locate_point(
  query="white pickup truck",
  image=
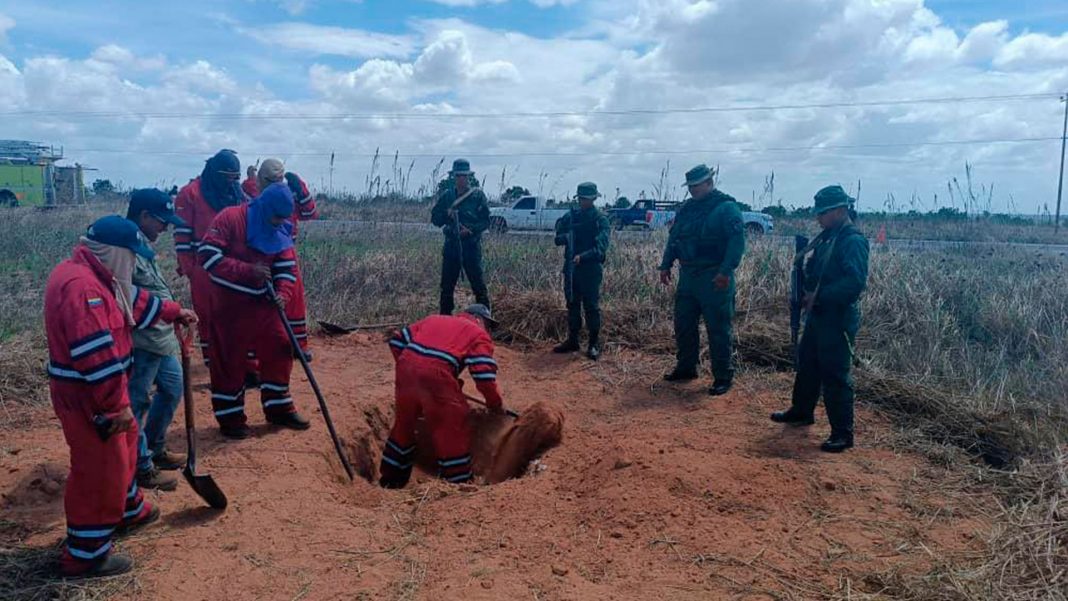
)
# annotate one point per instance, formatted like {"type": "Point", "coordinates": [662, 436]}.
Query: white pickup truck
{"type": "Point", "coordinates": [530, 213]}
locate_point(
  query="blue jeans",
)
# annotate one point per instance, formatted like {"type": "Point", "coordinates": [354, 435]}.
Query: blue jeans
{"type": "Point", "coordinates": [153, 415]}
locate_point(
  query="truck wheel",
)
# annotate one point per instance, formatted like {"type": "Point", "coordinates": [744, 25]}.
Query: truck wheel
{"type": "Point", "coordinates": [754, 229]}
{"type": "Point", "coordinates": [8, 199]}
{"type": "Point", "coordinates": [498, 225]}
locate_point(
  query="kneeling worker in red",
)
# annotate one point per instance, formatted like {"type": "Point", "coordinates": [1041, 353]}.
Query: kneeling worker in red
{"type": "Point", "coordinates": [430, 355]}
{"type": "Point", "coordinates": [246, 247]}
{"type": "Point", "coordinates": [91, 307]}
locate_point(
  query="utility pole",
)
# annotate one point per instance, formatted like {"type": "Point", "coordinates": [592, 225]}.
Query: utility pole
{"type": "Point", "coordinates": [1060, 184]}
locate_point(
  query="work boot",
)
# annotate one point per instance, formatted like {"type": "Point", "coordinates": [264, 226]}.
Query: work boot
{"type": "Point", "coordinates": [166, 460]}
{"type": "Point", "coordinates": [720, 388]}
{"type": "Point", "coordinates": [240, 432]}
{"type": "Point", "coordinates": [680, 376]}
{"type": "Point", "coordinates": [154, 479]}
{"type": "Point", "coordinates": [593, 351]}
{"type": "Point", "coordinates": [790, 418]}
{"type": "Point", "coordinates": [568, 346]}
{"type": "Point", "coordinates": [292, 420]}
{"type": "Point", "coordinates": [112, 565]}
{"type": "Point", "coordinates": [837, 443]}
{"type": "Point", "coordinates": [132, 526]}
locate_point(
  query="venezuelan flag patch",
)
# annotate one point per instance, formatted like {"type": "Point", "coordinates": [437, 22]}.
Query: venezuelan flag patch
{"type": "Point", "coordinates": [95, 301]}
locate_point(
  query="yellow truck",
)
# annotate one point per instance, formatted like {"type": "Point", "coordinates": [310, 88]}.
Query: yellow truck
{"type": "Point", "coordinates": [29, 176]}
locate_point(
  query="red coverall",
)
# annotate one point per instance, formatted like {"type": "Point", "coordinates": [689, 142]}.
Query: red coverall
{"type": "Point", "coordinates": [245, 319]}
{"type": "Point", "coordinates": [250, 188]}
{"type": "Point", "coordinates": [304, 209]}
{"type": "Point", "coordinates": [89, 354]}
{"type": "Point", "coordinates": [430, 354]}
{"type": "Point", "coordinates": [197, 214]}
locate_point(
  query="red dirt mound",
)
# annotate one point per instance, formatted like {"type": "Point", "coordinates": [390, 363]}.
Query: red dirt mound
{"type": "Point", "coordinates": [538, 428]}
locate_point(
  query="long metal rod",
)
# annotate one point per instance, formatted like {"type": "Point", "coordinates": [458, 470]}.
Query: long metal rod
{"type": "Point", "coordinates": [314, 384]}
{"type": "Point", "coordinates": [1060, 184]}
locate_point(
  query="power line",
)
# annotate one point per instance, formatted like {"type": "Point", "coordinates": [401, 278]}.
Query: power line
{"type": "Point", "coordinates": [723, 150]}
{"type": "Point", "coordinates": [516, 115]}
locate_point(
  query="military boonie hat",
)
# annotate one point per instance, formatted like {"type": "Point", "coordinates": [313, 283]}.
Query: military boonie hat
{"type": "Point", "coordinates": [480, 310]}
{"type": "Point", "coordinates": [587, 190]}
{"type": "Point", "coordinates": [698, 175]}
{"type": "Point", "coordinates": [461, 167]}
{"type": "Point", "coordinates": [830, 198]}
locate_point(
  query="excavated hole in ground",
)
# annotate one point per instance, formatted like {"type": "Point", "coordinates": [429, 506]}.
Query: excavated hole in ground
{"type": "Point", "coordinates": [502, 447]}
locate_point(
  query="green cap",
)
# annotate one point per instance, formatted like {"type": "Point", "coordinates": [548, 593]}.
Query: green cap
{"type": "Point", "coordinates": [698, 175]}
{"type": "Point", "coordinates": [461, 167]}
{"type": "Point", "coordinates": [587, 190]}
{"type": "Point", "coordinates": [831, 197]}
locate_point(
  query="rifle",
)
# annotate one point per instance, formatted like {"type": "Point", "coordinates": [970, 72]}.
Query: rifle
{"type": "Point", "coordinates": [456, 226]}
{"type": "Point", "coordinates": [569, 263]}
{"type": "Point", "coordinates": [797, 293]}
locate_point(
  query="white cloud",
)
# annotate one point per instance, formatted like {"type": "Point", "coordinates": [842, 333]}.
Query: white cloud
{"type": "Point", "coordinates": [324, 39]}
{"type": "Point", "coordinates": [551, 3]}
{"type": "Point", "coordinates": [495, 72]}
{"type": "Point", "coordinates": [1034, 50]}
{"type": "Point", "coordinates": [467, 3]}
{"type": "Point", "coordinates": [123, 58]}
{"type": "Point", "coordinates": [446, 60]}
{"type": "Point", "coordinates": [623, 54]}
{"type": "Point", "coordinates": [6, 24]}
{"type": "Point", "coordinates": [201, 76]}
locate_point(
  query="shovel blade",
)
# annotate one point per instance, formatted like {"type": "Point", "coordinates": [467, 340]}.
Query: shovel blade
{"type": "Point", "coordinates": [333, 329]}
{"type": "Point", "coordinates": [206, 489]}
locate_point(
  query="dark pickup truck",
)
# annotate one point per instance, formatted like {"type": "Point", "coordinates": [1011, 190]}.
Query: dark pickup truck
{"type": "Point", "coordinates": [654, 214]}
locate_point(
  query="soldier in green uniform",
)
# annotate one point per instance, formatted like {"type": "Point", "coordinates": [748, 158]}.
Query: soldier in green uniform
{"type": "Point", "coordinates": [834, 277]}
{"type": "Point", "coordinates": [584, 233]}
{"type": "Point", "coordinates": [708, 240]}
{"type": "Point", "coordinates": [462, 212]}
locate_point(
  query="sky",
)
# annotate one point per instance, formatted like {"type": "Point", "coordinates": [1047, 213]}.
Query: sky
{"type": "Point", "coordinates": [545, 94]}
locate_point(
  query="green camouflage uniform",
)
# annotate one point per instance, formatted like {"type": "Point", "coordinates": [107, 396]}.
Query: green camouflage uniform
{"type": "Point", "coordinates": [707, 238]}
{"type": "Point", "coordinates": [589, 240]}
{"type": "Point", "coordinates": [837, 273]}
{"type": "Point", "coordinates": [462, 253]}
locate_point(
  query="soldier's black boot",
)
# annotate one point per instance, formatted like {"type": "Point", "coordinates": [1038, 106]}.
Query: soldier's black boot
{"type": "Point", "coordinates": [837, 443]}
{"type": "Point", "coordinates": [568, 346]}
{"type": "Point", "coordinates": [790, 418]}
{"type": "Point", "coordinates": [679, 375]}
{"type": "Point", "coordinates": [720, 387]}
{"type": "Point", "coordinates": [593, 351]}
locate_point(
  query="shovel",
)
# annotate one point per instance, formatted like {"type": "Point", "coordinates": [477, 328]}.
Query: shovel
{"type": "Point", "coordinates": [311, 379]}
{"type": "Point", "coordinates": [479, 401]}
{"type": "Point", "coordinates": [333, 329]}
{"type": "Point", "coordinates": [203, 485]}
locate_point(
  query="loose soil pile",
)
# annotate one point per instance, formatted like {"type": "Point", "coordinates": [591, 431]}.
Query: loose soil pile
{"type": "Point", "coordinates": [653, 492]}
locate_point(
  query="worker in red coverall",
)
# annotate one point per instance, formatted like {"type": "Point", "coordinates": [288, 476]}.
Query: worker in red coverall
{"type": "Point", "coordinates": [197, 204]}
{"type": "Point", "coordinates": [248, 247]}
{"type": "Point", "coordinates": [249, 186]}
{"type": "Point", "coordinates": [304, 209]}
{"type": "Point", "coordinates": [91, 307]}
{"type": "Point", "coordinates": [430, 354]}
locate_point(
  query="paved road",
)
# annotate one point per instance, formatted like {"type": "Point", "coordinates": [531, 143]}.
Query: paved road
{"type": "Point", "coordinates": [897, 243]}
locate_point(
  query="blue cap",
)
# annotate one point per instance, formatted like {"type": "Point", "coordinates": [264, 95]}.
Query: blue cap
{"type": "Point", "coordinates": [117, 231]}
{"type": "Point", "coordinates": [158, 204]}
